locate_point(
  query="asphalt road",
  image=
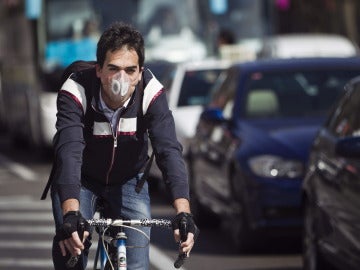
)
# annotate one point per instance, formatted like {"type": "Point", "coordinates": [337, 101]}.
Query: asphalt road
{"type": "Point", "coordinates": [26, 226]}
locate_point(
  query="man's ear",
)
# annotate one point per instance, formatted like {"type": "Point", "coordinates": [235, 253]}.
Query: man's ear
{"type": "Point", "coordinates": [141, 73]}
{"type": "Point", "coordinates": [98, 70]}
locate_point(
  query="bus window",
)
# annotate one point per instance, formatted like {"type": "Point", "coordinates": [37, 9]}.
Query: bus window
{"type": "Point", "coordinates": [171, 29]}
{"type": "Point", "coordinates": [72, 32]}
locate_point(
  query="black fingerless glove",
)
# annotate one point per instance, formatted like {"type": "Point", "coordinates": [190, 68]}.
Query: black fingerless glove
{"type": "Point", "coordinates": [190, 224]}
{"type": "Point", "coordinates": [72, 221]}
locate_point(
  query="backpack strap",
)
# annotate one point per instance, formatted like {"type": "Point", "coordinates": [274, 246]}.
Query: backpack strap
{"type": "Point", "coordinates": [146, 100]}
{"type": "Point", "coordinates": [48, 184]}
{"type": "Point", "coordinates": [141, 182]}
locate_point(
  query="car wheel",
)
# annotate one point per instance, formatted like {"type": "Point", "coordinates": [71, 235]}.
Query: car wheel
{"type": "Point", "coordinates": [202, 216]}
{"type": "Point", "coordinates": [3, 124]}
{"type": "Point", "coordinates": [312, 258]}
{"type": "Point", "coordinates": [24, 137]}
{"type": "Point", "coordinates": [34, 120]}
{"type": "Point", "coordinates": [196, 209]}
{"type": "Point", "coordinates": [243, 237]}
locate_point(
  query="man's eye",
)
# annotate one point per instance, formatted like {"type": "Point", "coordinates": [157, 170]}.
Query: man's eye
{"type": "Point", "coordinates": [130, 71]}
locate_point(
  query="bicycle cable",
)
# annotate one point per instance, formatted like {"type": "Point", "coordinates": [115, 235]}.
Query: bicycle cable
{"type": "Point", "coordinates": [125, 226]}
{"type": "Point", "coordinates": [140, 231]}
{"type": "Point", "coordinates": [105, 249]}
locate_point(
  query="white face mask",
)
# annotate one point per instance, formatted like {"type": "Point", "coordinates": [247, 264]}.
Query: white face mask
{"type": "Point", "coordinates": [120, 84]}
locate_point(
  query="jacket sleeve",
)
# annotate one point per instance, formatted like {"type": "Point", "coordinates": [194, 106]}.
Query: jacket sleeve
{"type": "Point", "coordinates": [168, 151]}
{"type": "Point", "coordinates": [69, 140]}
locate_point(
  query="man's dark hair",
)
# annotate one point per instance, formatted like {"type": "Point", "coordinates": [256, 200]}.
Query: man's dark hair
{"type": "Point", "coordinates": [120, 34]}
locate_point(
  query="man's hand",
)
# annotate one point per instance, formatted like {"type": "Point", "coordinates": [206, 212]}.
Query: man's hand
{"type": "Point", "coordinates": [69, 237]}
{"type": "Point", "coordinates": [191, 230]}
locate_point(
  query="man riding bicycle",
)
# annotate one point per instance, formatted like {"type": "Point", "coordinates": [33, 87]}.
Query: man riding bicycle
{"type": "Point", "coordinates": [106, 113]}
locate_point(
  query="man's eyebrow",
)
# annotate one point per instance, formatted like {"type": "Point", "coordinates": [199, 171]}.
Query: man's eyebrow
{"type": "Point", "coordinates": [115, 66]}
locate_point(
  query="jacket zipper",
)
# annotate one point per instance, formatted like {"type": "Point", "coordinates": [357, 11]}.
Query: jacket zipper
{"type": "Point", "coordinates": [114, 145]}
{"type": "Point", "coordinates": [113, 153]}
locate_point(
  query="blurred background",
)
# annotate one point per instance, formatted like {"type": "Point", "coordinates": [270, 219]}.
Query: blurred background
{"type": "Point", "coordinates": [190, 44]}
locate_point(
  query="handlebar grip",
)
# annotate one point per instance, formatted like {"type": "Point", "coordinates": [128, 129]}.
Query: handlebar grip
{"type": "Point", "coordinates": [74, 259]}
{"type": "Point", "coordinates": [183, 229]}
{"type": "Point", "coordinates": [183, 236]}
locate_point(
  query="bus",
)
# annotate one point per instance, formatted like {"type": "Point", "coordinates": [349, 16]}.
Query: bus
{"type": "Point", "coordinates": [39, 38]}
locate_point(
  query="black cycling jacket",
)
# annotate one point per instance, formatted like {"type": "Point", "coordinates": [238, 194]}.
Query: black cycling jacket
{"type": "Point", "coordinates": [86, 147]}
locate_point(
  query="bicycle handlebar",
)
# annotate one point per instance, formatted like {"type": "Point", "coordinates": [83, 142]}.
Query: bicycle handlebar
{"type": "Point", "coordinates": [164, 223]}
{"type": "Point", "coordinates": [130, 222]}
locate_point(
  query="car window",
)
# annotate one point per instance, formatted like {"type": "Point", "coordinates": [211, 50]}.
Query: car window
{"type": "Point", "coordinates": [196, 87]}
{"type": "Point", "coordinates": [224, 89]}
{"type": "Point", "coordinates": [345, 120]}
{"type": "Point", "coordinates": [163, 71]}
{"type": "Point", "coordinates": [293, 93]}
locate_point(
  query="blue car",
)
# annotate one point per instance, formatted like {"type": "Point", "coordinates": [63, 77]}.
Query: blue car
{"type": "Point", "coordinates": [248, 157]}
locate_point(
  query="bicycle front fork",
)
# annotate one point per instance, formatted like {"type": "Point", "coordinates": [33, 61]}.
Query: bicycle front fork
{"type": "Point", "coordinates": [121, 251]}
{"type": "Point", "coordinates": [119, 259]}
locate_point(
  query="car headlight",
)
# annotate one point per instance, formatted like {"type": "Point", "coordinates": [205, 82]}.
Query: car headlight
{"type": "Point", "coordinates": [275, 166]}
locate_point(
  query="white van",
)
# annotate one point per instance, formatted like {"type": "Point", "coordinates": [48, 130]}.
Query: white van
{"type": "Point", "coordinates": [308, 45]}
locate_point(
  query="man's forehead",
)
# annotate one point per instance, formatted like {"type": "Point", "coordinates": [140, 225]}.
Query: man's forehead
{"type": "Point", "coordinates": [122, 58]}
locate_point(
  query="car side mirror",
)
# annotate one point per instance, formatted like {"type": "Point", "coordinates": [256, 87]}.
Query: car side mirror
{"type": "Point", "coordinates": [348, 147]}
{"type": "Point", "coordinates": [213, 115]}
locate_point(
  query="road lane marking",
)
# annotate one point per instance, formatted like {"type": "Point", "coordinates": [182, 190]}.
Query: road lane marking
{"type": "Point", "coordinates": [23, 229]}
{"type": "Point", "coordinates": [18, 169]}
{"type": "Point", "coordinates": [25, 263]}
{"type": "Point", "coordinates": [19, 205]}
{"type": "Point", "coordinates": [16, 263]}
{"type": "Point", "coordinates": [26, 216]}
{"type": "Point", "coordinates": [160, 260]}
{"type": "Point", "coordinates": [26, 244]}
{"type": "Point", "coordinates": [157, 258]}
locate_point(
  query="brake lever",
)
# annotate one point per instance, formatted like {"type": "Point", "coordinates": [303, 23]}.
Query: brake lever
{"type": "Point", "coordinates": [183, 236]}
{"type": "Point", "coordinates": [74, 259]}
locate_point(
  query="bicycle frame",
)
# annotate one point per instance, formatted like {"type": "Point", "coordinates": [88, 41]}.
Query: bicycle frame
{"type": "Point", "coordinates": [119, 241]}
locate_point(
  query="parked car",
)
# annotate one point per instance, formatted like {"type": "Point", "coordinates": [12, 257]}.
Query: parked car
{"type": "Point", "coordinates": [331, 189]}
{"type": "Point", "coordinates": [188, 91]}
{"type": "Point", "coordinates": [247, 158]}
{"type": "Point", "coordinates": [160, 68]}
{"type": "Point", "coordinates": [308, 45]}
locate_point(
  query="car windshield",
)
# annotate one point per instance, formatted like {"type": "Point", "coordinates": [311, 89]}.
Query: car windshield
{"type": "Point", "coordinates": [294, 93]}
{"type": "Point", "coordinates": [196, 87]}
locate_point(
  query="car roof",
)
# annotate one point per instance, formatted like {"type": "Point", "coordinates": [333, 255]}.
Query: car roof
{"type": "Point", "coordinates": [302, 63]}
{"type": "Point", "coordinates": [210, 63]}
